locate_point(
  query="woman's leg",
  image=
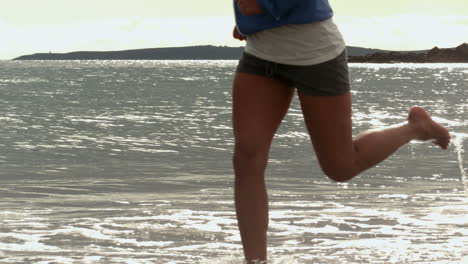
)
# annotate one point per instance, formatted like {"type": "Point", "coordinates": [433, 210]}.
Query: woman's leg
{"type": "Point", "coordinates": [259, 105]}
{"type": "Point", "coordinates": [341, 156]}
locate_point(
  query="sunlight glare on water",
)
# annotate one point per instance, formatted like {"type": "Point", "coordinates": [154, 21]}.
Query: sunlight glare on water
{"type": "Point", "coordinates": [130, 162]}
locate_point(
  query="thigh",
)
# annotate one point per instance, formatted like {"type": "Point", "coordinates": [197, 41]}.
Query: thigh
{"type": "Point", "coordinates": [328, 120]}
{"type": "Point", "coordinates": [259, 105]}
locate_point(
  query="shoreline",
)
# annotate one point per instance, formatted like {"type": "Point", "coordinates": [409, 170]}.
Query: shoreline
{"type": "Point", "coordinates": [458, 54]}
{"type": "Point", "coordinates": [350, 62]}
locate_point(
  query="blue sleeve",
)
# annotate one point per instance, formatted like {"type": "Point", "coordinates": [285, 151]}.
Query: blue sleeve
{"type": "Point", "coordinates": [278, 8]}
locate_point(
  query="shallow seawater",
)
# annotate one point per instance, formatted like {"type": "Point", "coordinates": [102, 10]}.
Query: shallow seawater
{"type": "Point", "coordinates": [129, 162]}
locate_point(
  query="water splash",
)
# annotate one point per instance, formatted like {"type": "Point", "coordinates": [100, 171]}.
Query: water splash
{"type": "Point", "coordinates": [457, 141]}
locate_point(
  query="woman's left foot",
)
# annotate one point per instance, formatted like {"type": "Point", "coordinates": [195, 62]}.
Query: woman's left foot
{"type": "Point", "coordinates": [428, 128]}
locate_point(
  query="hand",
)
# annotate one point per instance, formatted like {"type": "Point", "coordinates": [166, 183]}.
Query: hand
{"type": "Point", "coordinates": [249, 7]}
{"type": "Point", "coordinates": [237, 35]}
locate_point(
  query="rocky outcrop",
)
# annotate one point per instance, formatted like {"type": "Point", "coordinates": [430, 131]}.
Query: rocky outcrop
{"type": "Point", "coordinates": [435, 55]}
{"type": "Point", "coordinates": [458, 54]}
{"type": "Point", "coordinates": [390, 57]}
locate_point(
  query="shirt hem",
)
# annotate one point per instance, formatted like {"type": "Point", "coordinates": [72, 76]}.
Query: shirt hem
{"type": "Point", "coordinates": [328, 55]}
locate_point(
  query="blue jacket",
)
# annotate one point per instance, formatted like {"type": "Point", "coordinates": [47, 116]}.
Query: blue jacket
{"type": "Point", "coordinates": [282, 12]}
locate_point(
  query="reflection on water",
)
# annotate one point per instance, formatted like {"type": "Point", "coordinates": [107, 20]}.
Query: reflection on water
{"type": "Point", "coordinates": [129, 162]}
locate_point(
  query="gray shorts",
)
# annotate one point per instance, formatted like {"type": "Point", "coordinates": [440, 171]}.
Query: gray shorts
{"type": "Point", "coordinates": [329, 78]}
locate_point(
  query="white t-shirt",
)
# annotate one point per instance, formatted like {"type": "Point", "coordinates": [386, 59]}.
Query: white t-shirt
{"type": "Point", "coordinates": [303, 44]}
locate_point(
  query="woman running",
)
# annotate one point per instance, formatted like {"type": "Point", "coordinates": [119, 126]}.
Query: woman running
{"type": "Point", "coordinates": [295, 45]}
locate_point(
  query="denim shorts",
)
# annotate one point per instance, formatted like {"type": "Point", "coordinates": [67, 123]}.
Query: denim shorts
{"type": "Point", "coordinates": [329, 78]}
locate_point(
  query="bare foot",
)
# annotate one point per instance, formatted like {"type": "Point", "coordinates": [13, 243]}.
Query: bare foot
{"type": "Point", "coordinates": [428, 128]}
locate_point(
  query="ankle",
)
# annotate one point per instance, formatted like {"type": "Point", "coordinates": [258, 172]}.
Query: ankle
{"type": "Point", "coordinates": [415, 131]}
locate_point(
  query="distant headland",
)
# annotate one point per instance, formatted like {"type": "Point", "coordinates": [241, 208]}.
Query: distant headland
{"type": "Point", "coordinates": [435, 55]}
{"type": "Point", "coordinates": [175, 53]}
{"type": "Point", "coordinates": [356, 54]}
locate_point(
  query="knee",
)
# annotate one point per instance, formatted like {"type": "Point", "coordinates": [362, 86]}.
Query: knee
{"type": "Point", "coordinates": [340, 177]}
{"type": "Point", "coordinates": [249, 161]}
{"type": "Point", "coordinates": [340, 172]}
{"type": "Point", "coordinates": [247, 156]}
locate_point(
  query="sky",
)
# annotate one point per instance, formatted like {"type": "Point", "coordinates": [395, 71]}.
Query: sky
{"type": "Point", "coordinates": [33, 26]}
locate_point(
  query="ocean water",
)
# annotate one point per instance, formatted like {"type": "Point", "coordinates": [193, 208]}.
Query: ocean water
{"type": "Point", "coordinates": [130, 162]}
